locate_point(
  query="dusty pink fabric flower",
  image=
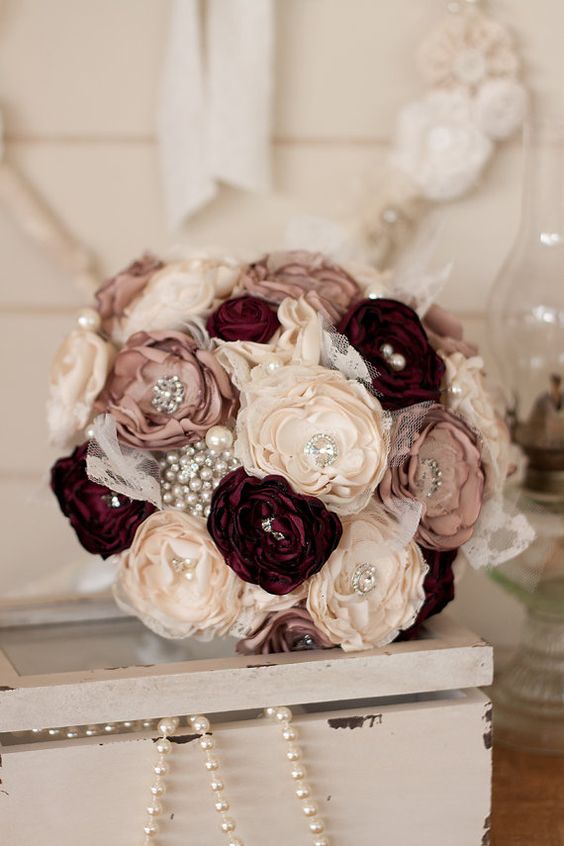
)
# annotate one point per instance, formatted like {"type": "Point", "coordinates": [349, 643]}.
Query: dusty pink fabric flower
{"type": "Point", "coordinates": [326, 286]}
{"type": "Point", "coordinates": [284, 631]}
{"type": "Point", "coordinates": [164, 391]}
{"type": "Point", "coordinates": [118, 292]}
{"type": "Point", "coordinates": [446, 334]}
{"type": "Point", "coordinates": [443, 471]}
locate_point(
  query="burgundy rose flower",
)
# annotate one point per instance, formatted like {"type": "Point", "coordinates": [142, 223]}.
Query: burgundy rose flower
{"type": "Point", "coordinates": [163, 391]}
{"type": "Point", "coordinates": [390, 336]}
{"type": "Point", "coordinates": [438, 587]}
{"type": "Point", "coordinates": [104, 522]}
{"type": "Point", "coordinates": [327, 287]}
{"type": "Point", "coordinates": [118, 292]}
{"type": "Point", "coordinates": [284, 631]}
{"type": "Point", "coordinates": [243, 319]}
{"type": "Point", "coordinates": [443, 471]}
{"type": "Point", "coordinates": [269, 535]}
{"type": "Point", "coordinates": [446, 334]}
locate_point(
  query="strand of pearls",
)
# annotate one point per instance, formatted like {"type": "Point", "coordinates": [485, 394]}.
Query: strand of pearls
{"type": "Point", "coordinates": [166, 727]}
{"type": "Point", "coordinates": [207, 744]}
{"type": "Point", "coordinates": [283, 717]}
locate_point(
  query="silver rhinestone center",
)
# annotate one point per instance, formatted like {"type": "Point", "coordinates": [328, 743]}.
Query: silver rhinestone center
{"type": "Point", "coordinates": [430, 476]}
{"type": "Point", "coordinates": [364, 578]}
{"type": "Point", "coordinates": [168, 394]}
{"type": "Point", "coordinates": [322, 449]}
{"type": "Point", "coordinates": [112, 500]}
{"type": "Point", "coordinates": [267, 527]}
{"type": "Point", "coordinates": [182, 565]}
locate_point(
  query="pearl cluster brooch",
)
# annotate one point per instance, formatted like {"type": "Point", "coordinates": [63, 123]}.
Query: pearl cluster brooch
{"type": "Point", "coordinates": [283, 717]}
{"type": "Point", "coordinates": [189, 475]}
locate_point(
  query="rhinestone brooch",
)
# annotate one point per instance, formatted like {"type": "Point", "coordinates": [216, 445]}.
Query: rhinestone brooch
{"type": "Point", "coordinates": [189, 476]}
{"type": "Point", "coordinates": [266, 526]}
{"type": "Point", "coordinates": [364, 578]}
{"type": "Point", "coordinates": [168, 394]}
{"type": "Point", "coordinates": [322, 449]}
{"type": "Point", "coordinates": [430, 478]}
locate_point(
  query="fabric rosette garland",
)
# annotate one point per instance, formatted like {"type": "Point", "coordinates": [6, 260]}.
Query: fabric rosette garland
{"type": "Point", "coordinates": [279, 450]}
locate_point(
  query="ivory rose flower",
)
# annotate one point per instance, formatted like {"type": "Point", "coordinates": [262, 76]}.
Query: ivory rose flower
{"type": "Point", "coordinates": [257, 604]}
{"type": "Point", "coordinates": [78, 374]}
{"type": "Point", "coordinates": [175, 579]}
{"type": "Point", "coordinates": [322, 432]}
{"type": "Point", "coordinates": [179, 292]}
{"type": "Point", "coordinates": [366, 593]}
{"type": "Point", "coordinates": [468, 397]}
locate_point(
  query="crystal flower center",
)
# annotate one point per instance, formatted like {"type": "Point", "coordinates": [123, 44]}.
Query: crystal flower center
{"type": "Point", "coordinates": [322, 449]}
{"type": "Point", "coordinates": [168, 394]}
{"type": "Point", "coordinates": [364, 578]}
{"type": "Point", "coordinates": [112, 500]}
{"type": "Point", "coordinates": [429, 477]}
{"type": "Point", "coordinates": [267, 527]}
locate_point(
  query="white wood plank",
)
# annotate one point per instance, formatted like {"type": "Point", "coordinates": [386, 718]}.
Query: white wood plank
{"type": "Point", "coordinates": [420, 772]}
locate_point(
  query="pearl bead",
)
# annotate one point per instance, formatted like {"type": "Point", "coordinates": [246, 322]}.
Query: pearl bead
{"type": "Point", "coordinates": [164, 746]}
{"type": "Point", "coordinates": [271, 364]}
{"type": "Point", "coordinates": [168, 725]}
{"type": "Point", "coordinates": [221, 805]}
{"type": "Point", "coordinates": [200, 724]}
{"type": "Point", "coordinates": [160, 768]}
{"type": "Point", "coordinates": [151, 828]}
{"type": "Point", "coordinates": [283, 715]}
{"type": "Point", "coordinates": [387, 350]}
{"type": "Point", "coordinates": [172, 457]}
{"type": "Point", "coordinates": [219, 437]}
{"type": "Point", "coordinates": [88, 319]}
{"type": "Point", "coordinates": [155, 810]}
{"type": "Point", "coordinates": [316, 827]}
{"type": "Point", "coordinates": [227, 825]}
{"type": "Point", "coordinates": [195, 484]}
{"type": "Point", "coordinates": [168, 498]}
{"type": "Point", "coordinates": [309, 810]}
{"type": "Point", "coordinates": [199, 446]}
{"type": "Point", "coordinates": [158, 788]}
{"type": "Point", "coordinates": [290, 734]}
{"type": "Point", "coordinates": [270, 712]}
{"type": "Point", "coordinates": [397, 361]}
{"type": "Point", "coordinates": [298, 773]}
{"type": "Point", "coordinates": [234, 841]}
{"type": "Point", "coordinates": [216, 785]}
{"type": "Point", "coordinates": [207, 743]}
{"type": "Point", "coordinates": [321, 841]}
{"type": "Point", "coordinates": [303, 791]}
{"type": "Point", "coordinates": [212, 764]}
{"type": "Point", "coordinates": [293, 753]}
{"type": "Point", "coordinates": [89, 433]}
{"type": "Point", "coordinates": [455, 389]}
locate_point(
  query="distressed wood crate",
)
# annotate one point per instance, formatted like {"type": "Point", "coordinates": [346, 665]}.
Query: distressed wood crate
{"type": "Point", "coordinates": [396, 742]}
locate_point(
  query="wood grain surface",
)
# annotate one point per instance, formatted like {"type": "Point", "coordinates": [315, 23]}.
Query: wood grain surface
{"type": "Point", "coordinates": [528, 799]}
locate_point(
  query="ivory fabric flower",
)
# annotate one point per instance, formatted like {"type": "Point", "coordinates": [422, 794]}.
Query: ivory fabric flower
{"type": "Point", "coordinates": [179, 292]}
{"type": "Point", "coordinates": [322, 432]}
{"type": "Point", "coordinates": [442, 469]}
{"type": "Point", "coordinates": [164, 391]}
{"type": "Point", "coordinates": [439, 145]}
{"type": "Point", "coordinates": [78, 374]}
{"type": "Point", "coordinates": [115, 295]}
{"type": "Point", "coordinates": [325, 285]}
{"type": "Point", "coordinates": [467, 396]}
{"type": "Point", "coordinates": [175, 579]}
{"type": "Point", "coordinates": [367, 593]}
{"type": "Point", "coordinates": [467, 50]}
{"type": "Point", "coordinates": [258, 604]}
{"type": "Point", "coordinates": [499, 108]}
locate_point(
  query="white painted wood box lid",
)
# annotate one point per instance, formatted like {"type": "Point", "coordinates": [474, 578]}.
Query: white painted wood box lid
{"type": "Point", "coordinates": [66, 674]}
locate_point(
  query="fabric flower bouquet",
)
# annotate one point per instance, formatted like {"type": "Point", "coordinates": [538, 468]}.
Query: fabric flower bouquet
{"type": "Point", "coordinates": [280, 450]}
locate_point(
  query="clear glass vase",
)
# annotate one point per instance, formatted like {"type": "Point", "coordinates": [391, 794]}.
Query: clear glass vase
{"type": "Point", "coordinates": [526, 328]}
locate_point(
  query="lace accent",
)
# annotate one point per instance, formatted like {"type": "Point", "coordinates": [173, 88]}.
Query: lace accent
{"type": "Point", "coordinates": [131, 472]}
{"type": "Point", "coordinates": [501, 533]}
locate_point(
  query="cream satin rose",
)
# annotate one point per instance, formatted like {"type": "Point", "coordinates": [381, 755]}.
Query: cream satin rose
{"type": "Point", "coordinates": [467, 396]}
{"type": "Point", "coordinates": [366, 594]}
{"type": "Point", "coordinates": [325, 434]}
{"type": "Point", "coordinates": [257, 604]}
{"type": "Point", "coordinates": [175, 579]}
{"type": "Point", "coordinates": [299, 340]}
{"type": "Point", "coordinates": [78, 373]}
{"type": "Point", "coordinates": [179, 292]}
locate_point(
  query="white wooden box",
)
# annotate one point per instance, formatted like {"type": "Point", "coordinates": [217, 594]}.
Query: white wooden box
{"type": "Point", "coordinates": [396, 741]}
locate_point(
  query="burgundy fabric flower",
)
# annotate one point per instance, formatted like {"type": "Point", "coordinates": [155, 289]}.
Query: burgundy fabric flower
{"type": "Point", "coordinates": [284, 631]}
{"type": "Point", "coordinates": [438, 587]}
{"type": "Point", "coordinates": [326, 286]}
{"type": "Point", "coordinates": [118, 292]}
{"type": "Point", "coordinates": [243, 319]}
{"type": "Point", "coordinates": [164, 391]}
{"type": "Point", "coordinates": [269, 535]}
{"type": "Point", "coordinates": [390, 336]}
{"type": "Point", "coordinates": [104, 522]}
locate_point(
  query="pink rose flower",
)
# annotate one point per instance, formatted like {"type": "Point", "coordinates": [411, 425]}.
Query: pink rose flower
{"type": "Point", "coordinates": [164, 391]}
{"type": "Point", "coordinates": [443, 471]}
{"type": "Point", "coordinates": [118, 292]}
{"type": "Point", "coordinates": [325, 286]}
{"type": "Point", "coordinates": [445, 332]}
{"type": "Point", "coordinates": [284, 631]}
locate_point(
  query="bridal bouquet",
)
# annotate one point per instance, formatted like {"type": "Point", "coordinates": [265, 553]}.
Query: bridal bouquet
{"type": "Point", "coordinates": [281, 450]}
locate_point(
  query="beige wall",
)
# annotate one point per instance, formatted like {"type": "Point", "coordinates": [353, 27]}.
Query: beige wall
{"type": "Point", "coordinates": [78, 85]}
